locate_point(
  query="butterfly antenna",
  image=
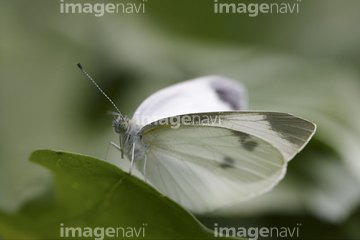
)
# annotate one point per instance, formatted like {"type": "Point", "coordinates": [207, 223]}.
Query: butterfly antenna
{"type": "Point", "coordinates": [82, 69]}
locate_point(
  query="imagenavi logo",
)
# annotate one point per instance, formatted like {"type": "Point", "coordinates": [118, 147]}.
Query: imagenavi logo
{"type": "Point", "coordinates": [253, 233]}
{"type": "Point", "coordinates": [99, 233]}
{"type": "Point", "coordinates": [99, 9]}
{"type": "Point", "coordinates": [253, 9]}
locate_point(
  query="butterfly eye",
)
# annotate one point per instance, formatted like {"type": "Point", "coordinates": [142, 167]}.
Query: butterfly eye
{"type": "Point", "coordinates": [120, 125]}
{"type": "Point", "coordinates": [124, 126]}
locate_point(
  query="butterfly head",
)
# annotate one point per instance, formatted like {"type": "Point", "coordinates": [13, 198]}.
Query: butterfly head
{"type": "Point", "coordinates": [121, 124]}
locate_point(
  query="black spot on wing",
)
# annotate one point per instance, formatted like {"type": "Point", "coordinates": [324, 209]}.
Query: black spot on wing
{"type": "Point", "coordinates": [227, 162]}
{"type": "Point", "coordinates": [231, 99]}
{"type": "Point", "coordinates": [241, 135]}
{"type": "Point", "coordinates": [289, 127]}
{"type": "Point", "coordinates": [229, 92]}
{"type": "Point", "coordinates": [250, 145]}
{"type": "Point", "coordinates": [244, 140]}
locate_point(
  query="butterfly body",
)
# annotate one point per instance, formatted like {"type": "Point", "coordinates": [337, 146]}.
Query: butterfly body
{"type": "Point", "coordinates": [130, 140]}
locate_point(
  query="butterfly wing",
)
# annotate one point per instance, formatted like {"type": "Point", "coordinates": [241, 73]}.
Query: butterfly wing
{"type": "Point", "coordinates": [221, 94]}
{"type": "Point", "coordinates": [207, 165]}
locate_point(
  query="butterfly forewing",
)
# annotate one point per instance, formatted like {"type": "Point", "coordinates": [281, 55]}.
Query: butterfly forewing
{"type": "Point", "coordinates": [288, 133]}
{"type": "Point", "coordinates": [204, 94]}
{"type": "Point", "coordinates": [205, 165]}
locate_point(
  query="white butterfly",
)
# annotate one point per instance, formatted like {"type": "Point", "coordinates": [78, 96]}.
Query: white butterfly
{"type": "Point", "coordinates": [195, 146]}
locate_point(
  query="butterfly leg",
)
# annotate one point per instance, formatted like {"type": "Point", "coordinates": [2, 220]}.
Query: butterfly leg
{"type": "Point", "coordinates": [132, 158]}
{"type": "Point", "coordinates": [144, 170]}
{"type": "Point", "coordinates": [114, 145]}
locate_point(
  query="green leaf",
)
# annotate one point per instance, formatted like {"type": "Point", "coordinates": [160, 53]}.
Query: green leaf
{"type": "Point", "coordinates": [92, 193]}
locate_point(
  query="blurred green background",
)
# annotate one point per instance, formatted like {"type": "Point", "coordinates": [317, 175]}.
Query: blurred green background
{"type": "Point", "coordinates": [305, 63]}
